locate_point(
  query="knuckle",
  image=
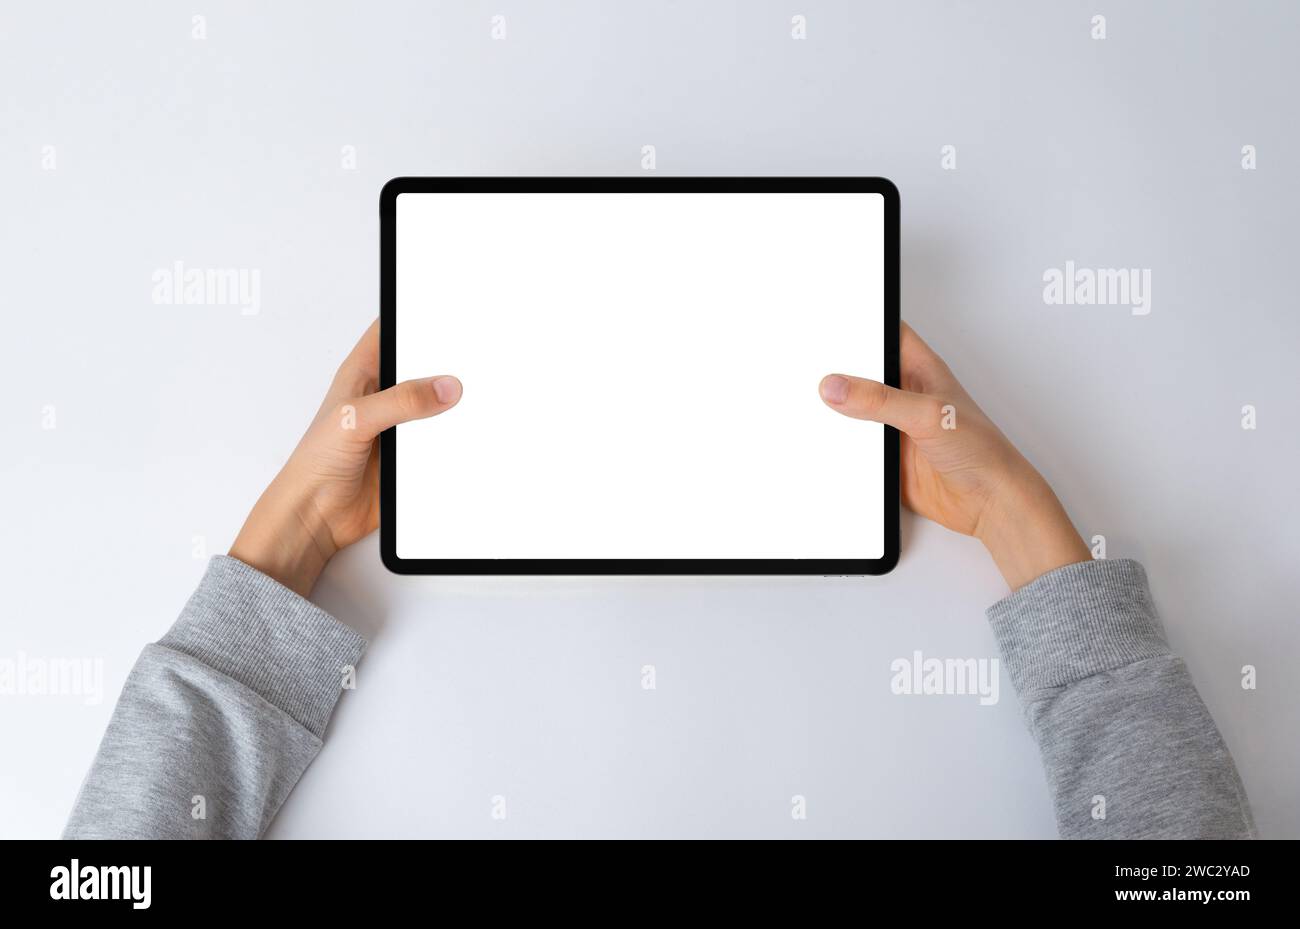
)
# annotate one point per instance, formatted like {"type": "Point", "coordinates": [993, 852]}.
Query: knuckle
{"type": "Point", "coordinates": [874, 396]}
{"type": "Point", "coordinates": [926, 374]}
{"type": "Point", "coordinates": [410, 399]}
{"type": "Point", "coordinates": [928, 368]}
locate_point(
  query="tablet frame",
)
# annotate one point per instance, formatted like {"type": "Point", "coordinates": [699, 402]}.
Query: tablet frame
{"type": "Point", "coordinates": [631, 566]}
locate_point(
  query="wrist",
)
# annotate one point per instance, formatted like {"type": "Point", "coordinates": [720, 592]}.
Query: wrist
{"type": "Point", "coordinates": [1028, 532]}
{"type": "Point", "coordinates": [281, 539]}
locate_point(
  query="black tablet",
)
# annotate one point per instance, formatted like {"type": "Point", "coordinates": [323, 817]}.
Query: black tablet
{"type": "Point", "coordinates": [640, 360]}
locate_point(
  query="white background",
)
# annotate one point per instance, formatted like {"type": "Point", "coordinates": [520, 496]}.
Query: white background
{"type": "Point", "coordinates": [640, 375]}
{"type": "Point", "coordinates": [171, 419]}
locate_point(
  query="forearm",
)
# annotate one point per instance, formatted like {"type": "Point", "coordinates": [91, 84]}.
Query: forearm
{"type": "Point", "coordinates": [1129, 748]}
{"type": "Point", "coordinates": [220, 718]}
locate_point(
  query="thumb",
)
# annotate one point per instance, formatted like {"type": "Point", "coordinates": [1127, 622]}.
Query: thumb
{"type": "Point", "coordinates": [919, 415]}
{"type": "Point", "coordinates": [414, 399]}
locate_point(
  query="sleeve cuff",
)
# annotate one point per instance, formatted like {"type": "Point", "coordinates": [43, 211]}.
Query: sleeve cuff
{"type": "Point", "coordinates": [260, 633]}
{"type": "Point", "coordinates": [1079, 620]}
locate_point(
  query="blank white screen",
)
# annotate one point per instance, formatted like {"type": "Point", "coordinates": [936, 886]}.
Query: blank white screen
{"type": "Point", "coordinates": [640, 374]}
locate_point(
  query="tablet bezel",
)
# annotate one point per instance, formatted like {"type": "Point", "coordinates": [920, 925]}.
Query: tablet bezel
{"type": "Point", "coordinates": [631, 566]}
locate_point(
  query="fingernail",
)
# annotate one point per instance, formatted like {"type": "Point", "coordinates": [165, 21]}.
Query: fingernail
{"type": "Point", "coordinates": [446, 389]}
{"type": "Point", "coordinates": [835, 389]}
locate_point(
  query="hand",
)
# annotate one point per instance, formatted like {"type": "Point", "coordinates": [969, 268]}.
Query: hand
{"type": "Point", "coordinates": [327, 494]}
{"type": "Point", "coordinates": [958, 469]}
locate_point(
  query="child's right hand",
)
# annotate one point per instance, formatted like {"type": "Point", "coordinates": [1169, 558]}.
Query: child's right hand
{"type": "Point", "coordinates": [957, 467]}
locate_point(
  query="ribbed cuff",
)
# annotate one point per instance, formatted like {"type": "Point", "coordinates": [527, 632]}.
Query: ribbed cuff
{"type": "Point", "coordinates": [260, 633]}
{"type": "Point", "coordinates": [1075, 622]}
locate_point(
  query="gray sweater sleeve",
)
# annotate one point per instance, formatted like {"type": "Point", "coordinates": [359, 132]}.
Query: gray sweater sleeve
{"type": "Point", "coordinates": [219, 719]}
{"type": "Point", "coordinates": [1129, 748]}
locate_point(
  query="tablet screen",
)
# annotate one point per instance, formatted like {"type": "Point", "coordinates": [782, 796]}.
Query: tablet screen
{"type": "Point", "coordinates": [640, 374]}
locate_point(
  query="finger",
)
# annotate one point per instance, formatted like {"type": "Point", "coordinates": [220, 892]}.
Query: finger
{"type": "Point", "coordinates": [910, 342]}
{"type": "Point", "coordinates": [361, 368]}
{"type": "Point", "coordinates": [357, 375]}
{"type": "Point", "coordinates": [918, 415]}
{"type": "Point", "coordinates": [922, 367]}
{"type": "Point", "coordinates": [415, 399]}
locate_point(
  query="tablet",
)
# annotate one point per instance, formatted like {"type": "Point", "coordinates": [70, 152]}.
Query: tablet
{"type": "Point", "coordinates": [640, 360]}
